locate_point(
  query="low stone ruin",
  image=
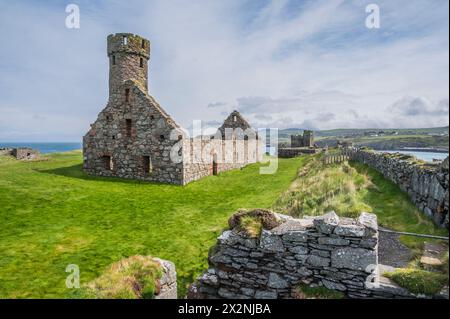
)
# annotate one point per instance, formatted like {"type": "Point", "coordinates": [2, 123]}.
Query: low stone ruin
{"type": "Point", "coordinates": [300, 145]}
{"type": "Point", "coordinates": [21, 153]}
{"type": "Point", "coordinates": [337, 253]}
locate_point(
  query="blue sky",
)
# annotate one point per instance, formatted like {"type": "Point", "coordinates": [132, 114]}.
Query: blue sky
{"type": "Point", "coordinates": [308, 64]}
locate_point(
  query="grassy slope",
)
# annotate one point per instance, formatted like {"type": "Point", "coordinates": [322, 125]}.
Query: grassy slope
{"type": "Point", "coordinates": [320, 189]}
{"type": "Point", "coordinates": [52, 215]}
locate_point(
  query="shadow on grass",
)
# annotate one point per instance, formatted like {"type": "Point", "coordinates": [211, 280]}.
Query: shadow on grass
{"type": "Point", "coordinates": [76, 171]}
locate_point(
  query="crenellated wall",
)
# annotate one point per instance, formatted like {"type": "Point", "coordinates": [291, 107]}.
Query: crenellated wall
{"type": "Point", "coordinates": [426, 184]}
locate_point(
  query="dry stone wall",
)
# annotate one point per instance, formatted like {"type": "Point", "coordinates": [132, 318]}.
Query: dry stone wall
{"type": "Point", "coordinates": [338, 253]}
{"type": "Point", "coordinates": [426, 185]}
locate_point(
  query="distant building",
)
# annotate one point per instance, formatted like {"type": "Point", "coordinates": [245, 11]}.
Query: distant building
{"type": "Point", "coordinates": [21, 153]}
{"type": "Point", "coordinates": [305, 140]}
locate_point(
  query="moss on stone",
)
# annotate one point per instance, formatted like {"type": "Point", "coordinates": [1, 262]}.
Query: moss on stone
{"type": "Point", "coordinates": [419, 281]}
{"type": "Point", "coordinates": [136, 277]}
{"type": "Point", "coordinates": [306, 292]}
{"type": "Point", "coordinates": [266, 218]}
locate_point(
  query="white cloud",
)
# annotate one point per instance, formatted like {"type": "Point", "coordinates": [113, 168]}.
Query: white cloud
{"type": "Point", "coordinates": [283, 63]}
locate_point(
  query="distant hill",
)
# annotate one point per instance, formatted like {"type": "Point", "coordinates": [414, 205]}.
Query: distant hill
{"type": "Point", "coordinates": [382, 139]}
{"type": "Point", "coordinates": [350, 131]}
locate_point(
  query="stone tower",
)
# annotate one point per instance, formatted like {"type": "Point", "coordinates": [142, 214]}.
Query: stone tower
{"type": "Point", "coordinates": [133, 136]}
{"type": "Point", "coordinates": [128, 59]}
{"type": "Point", "coordinates": [308, 138]}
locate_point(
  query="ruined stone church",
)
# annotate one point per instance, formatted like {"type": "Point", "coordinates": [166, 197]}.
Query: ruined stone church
{"type": "Point", "coordinates": [133, 136]}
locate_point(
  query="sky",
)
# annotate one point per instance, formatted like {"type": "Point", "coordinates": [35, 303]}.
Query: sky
{"type": "Point", "coordinates": [281, 63]}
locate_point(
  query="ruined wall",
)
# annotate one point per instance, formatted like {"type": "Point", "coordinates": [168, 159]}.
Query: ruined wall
{"type": "Point", "coordinates": [168, 280]}
{"type": "Point", "coordinates": [289, 152]}
{"type": "Point", "coordinates": [303, 140]}
{"type": "Point", "coordinates": [149, 133]}
{"type": "Point", "coordinates": [133, 137]}
{"type": "Point", "coordinates": [426, 185]}
{"type": "Point", "coordinates": [5, 151]}
{"type": "Point", "coordinates": [338, 253]}
{"type": "Point", "coordinates": [205, 157]}
{"type": "Point", "coordinates": [21, 153]}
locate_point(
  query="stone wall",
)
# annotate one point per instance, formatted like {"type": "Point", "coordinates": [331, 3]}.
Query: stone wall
{"type": "Point", "coordinates": [129, 132]}
{"type": "Point", "coordinates": [338, 253]}
{"type": "Point", "coordinates": [5, 151]}
{"type": "Point", "coordinates": [426, 184]}
{"type": "Point", "coordinates": [21, 153]}
{"type": "Point", "coordinates": [204, 157]}
{"type": "Point", "coordinates": [289, 152]}
{"type": "Point", "coordinates": [168, 280]}
{"type": "Point", "coordinates": [303, 140]}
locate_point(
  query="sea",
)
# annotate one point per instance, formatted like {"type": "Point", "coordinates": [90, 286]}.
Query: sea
{"type": "Point", "coordinates": [425, 156]}
{"type": "Point", "coordinates": [45, 148]}
{"type": "Point", "coordinates": [56, 147]}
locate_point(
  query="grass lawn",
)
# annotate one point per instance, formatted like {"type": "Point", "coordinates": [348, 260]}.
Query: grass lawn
{"type": "Point", "coordinates": [52, 215]}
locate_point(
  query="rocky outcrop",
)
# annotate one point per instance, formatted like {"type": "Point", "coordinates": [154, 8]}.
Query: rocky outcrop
{"type": "Point", "coordinates": [426, 184]}
{"type": "Point", "coordinates": [338, 253]}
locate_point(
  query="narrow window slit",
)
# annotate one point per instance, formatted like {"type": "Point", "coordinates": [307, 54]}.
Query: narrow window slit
{"type": "Point", "coordinates": [147, 165]}
{"type": "Point", "coordinates": [128, 127]}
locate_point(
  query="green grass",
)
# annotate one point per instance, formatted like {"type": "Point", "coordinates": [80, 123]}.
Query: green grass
{"type": "Point", "coordinates": [307, 292]}
{"type": "Point", "coordinates": [251, 226]}
{"type": "Point", "coordinates": [349, 189]}
{"type": "Point", "coordinates": [136, 277]}
{"type": "Point", "coordinates": [419, 281]}
{"type": "Point", "coordinates": [52, 215]}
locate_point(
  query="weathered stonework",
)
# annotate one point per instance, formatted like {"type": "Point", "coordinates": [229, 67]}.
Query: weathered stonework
{"type": "Point", "coordinates": [133, 137]}
{"type": "Point", "coordinates": [337, 253]}
{"type": "Point", "coordinates": [303, 140]}
{"type": "Point", "coordinates": [326, 250]}
{"type": "Point", "coordinates": [300, 144]}
{"type": "Point", "coordinates": [426, 185]}
{"type": "Point", "coordinates": [21, 153]}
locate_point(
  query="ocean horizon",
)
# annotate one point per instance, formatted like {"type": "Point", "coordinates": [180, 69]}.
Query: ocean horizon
{"type": "Point", "coordinates": [45, 147]}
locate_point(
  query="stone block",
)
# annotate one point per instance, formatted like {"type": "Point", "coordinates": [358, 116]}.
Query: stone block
{"type": "Point", "coordinates": [271, 242]}
{"type": "Point", "coordinates": [354, 259]}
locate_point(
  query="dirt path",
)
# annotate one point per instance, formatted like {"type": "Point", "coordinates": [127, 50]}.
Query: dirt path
{"type": "Point", "coordinates": [391, 252]}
